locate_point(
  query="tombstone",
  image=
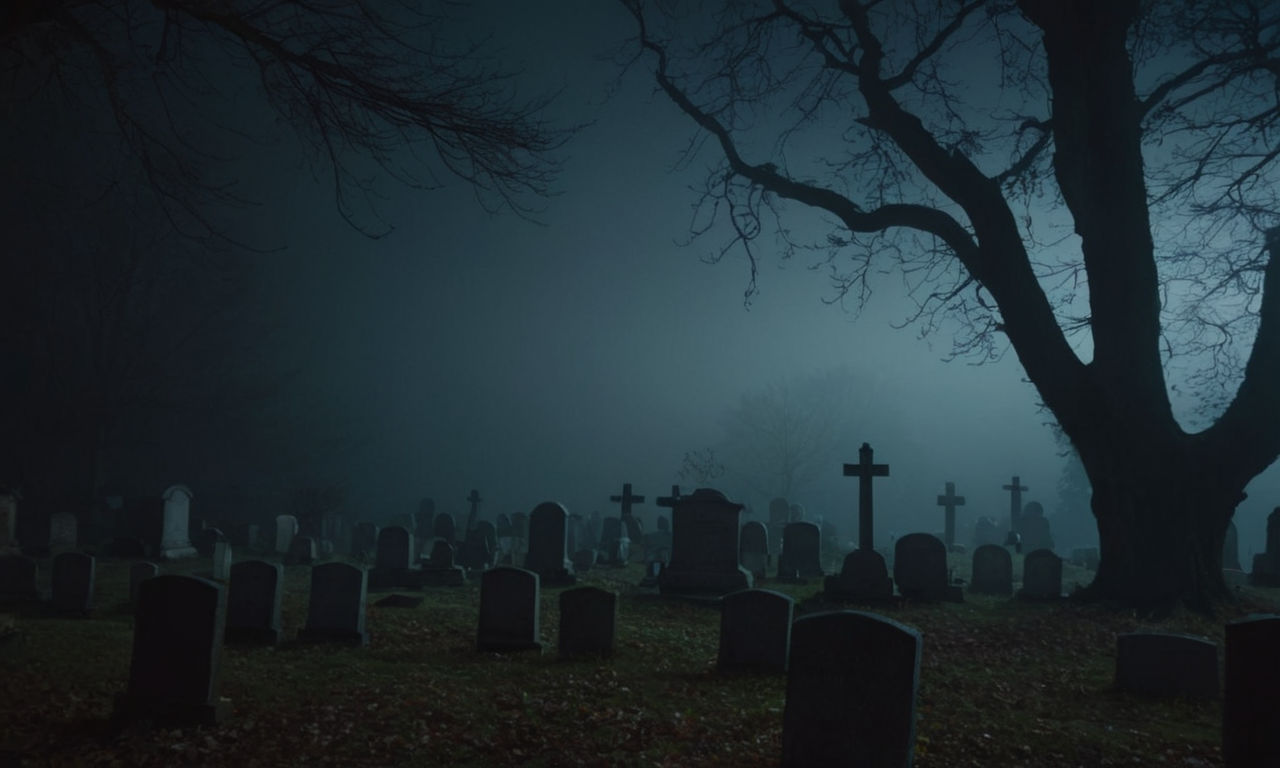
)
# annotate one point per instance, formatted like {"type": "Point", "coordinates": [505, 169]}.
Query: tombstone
{"type": "Point", "coordinates": [985, 531]}
{"type": "Point", "coordinates": [795, 513]}
{"type": "Point", "coordinates": [949, 501]}
{"type": "Point", "coordinates": [573, 527]}
{"type": "Point", "coordinates": [139, 572]}
{"type": "Point", "coordinates": [364, 539]}
{"type": "Point", "coordinates": [177, 648]}
{"type": "Point", "coordinates": [657, 547]}
{"type": "Point", "coordinates": [8, 519]}
{"type": "Point", "coordinates": [755, 631]}
{"type": "Point", "coordinates": [335, 610]}
{"type": "Point", "coordinates": [588, 621]}
{"type": "Point", "coordinates": [753, 548]}
{"type": "Point", "coordinates": [394, 559]}
{"type": "Point", "coordinates": [801, 557]}
{"type": "Point", "coordinates": [445, 528]}
{"type": "Point", "coordinates": [1266, 565]}
{"type": "Point", "coordinates": [286, 529]}
{"type": "Point", "coordinates": [863, 577]}
{"type": "Point", "coordinates": [204, 540]}
{"type": "Point", "coordinates": [1250, 706]}
{"type": "Point", "coordinates": [478, 550]}
{"type": "Point", "coordinates": [221, 561]}
{"type": "Point", "coordinates": [851, 691]}
{"type": "Point", "coordinates": [18, 579]}
{"type": "Point", "coordinates": [615, 546]}
{"type": "Point", "coordinates": [174, 540]}
{"type": "Point", "coordinates": [71, 582]}
{"type": "Point", "coordinates": [1015, 489]}
{"type": "Point", "coordinates": [504, 532]}
{"type": "Point", "coordinates": [439, 570]}
{"type": "Point", "coordinates": [1035, 531]}
{"type": "Point", "coordinates": [1041, 576]}
{"type": "Point", "coordinates": [302, 551]}
{"type": "Point", "coordinates": [508, 610]}
{"type": "Point", "coordinates": [548, 540]}
{"type": "Point", "coordinates": [865, 470]}
{"type": "Point", "coordinates": [62, 532]}
{"type": "Point", "coordinates": [1231, 548]}
{"type": "Point", "coordinates": [920, 568]}
{"type": "Point", "coordinates": [253, 603]}
{"type": "Point", "coordinates": [992, 571]}
{"type": "Point", "coordinates": [1167, 664]}
{"type": "Point", "coordinates": [704, 547]}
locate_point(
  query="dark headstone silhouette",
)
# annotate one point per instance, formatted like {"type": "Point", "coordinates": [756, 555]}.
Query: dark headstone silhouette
{"type": "Point", "coordinates": [992, 571]}
{"type": "Point", "coordinates": [949, 501]}
{"type": "Point", "coordinates": [755, 631]}
{"type": "Point", "coordinates": [253, 602]}
{"type": "Point", "coordinates": [1015, 489]}
{"type": "Point", "coordinates": [704, 546]}
{"type": "Point", "coordinates": [1250, 706]}
{"type": "Point", "coordinates": [865, 470]}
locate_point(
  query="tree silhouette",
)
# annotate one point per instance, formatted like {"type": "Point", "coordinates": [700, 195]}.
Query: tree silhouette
{"type": "Point", "coordinates": [1093, 181]}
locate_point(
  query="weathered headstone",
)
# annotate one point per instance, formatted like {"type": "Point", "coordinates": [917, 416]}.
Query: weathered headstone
{"type": "Point", "coordinates": [548, 542]}
{"type": "Point", "coordinates": [286, 529]}
{"type": "Point", "coordinates": [175, 542]}
{"type": "Point", "coordinates": [753, 548]}
{"type": "Point", "coordinates": [63, 531]}
{"type": "Point", "coordinates": [139, 572]}
{"type": "Point", "coordinates": [588, 620]}
{"type": "Point", "coordinates": [1166, 664]}
{"type": "Point", "coordinates": [253, 603]}
{"type": "Point", "coordinates": [477, 551]}
{"type": "Point", "coordinates": [335, 610]}
{"type": "Point", "coordinates": [509, 610]}
{"type": "Point", "coordinates": [1041, 576]}
{"type": "Point", "coordinates": [704, 548]}
{"type": "Point", "coordinates": [302, 551]}
{"type": "Point", "coordinates": [949, 501]}
{"type": "Point", "coordinates": [630, 523]}
{"type": "Point", "coordinates": [394, 559]}
{"type": "Point", "coordinates": [992, 571]}
{"type": "Point", "coordinates": [985, 531]}
{"type": "Point", "coordinates": [221, 561]}
{"type": "Point", "coordinates": [851, 691]}
{"type": "Point", "coordinates": [920, 568]}
{"type": "Point", "coordinates": [795, 513]}
{"type": "Point", "coordinates": [445, 528]}
{"type": "Point", "coordinates": [801, 556]}
{"type": "Point", "coordinates": [863, 577]}
{"type": "Point", "coordinates": [1250, 706]}
{"type": "Point", "coordinates": [864, 470]}
{"type": "Point", "coordinates": [1015, 489]}
{"type": "Point", "coordinates": [615, 546]}
{"type": "Point", "coordinates": [71, 582]}
{"type": "Point", "coordinates": [18, 579]}
{"type": "Point", "coordinates": [439, 570]}
{"type": "Point", "coordinates": [1035, 531]}
{"type": "Point", "coordinates": [177, 647]}
{"type": "Point", "coordinates": [755, 631]}
{"type": "Point", "coordinates": [502, 529]}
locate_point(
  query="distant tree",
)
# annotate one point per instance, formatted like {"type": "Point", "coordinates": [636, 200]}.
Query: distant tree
{"type": "Point", "coordinates": [700, 467]}
{"type": "Point", "coordinates": [1038, 171]}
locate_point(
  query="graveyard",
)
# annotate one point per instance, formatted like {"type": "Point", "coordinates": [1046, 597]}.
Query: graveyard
{"type": "Point", "coordinates": [1003, 682]}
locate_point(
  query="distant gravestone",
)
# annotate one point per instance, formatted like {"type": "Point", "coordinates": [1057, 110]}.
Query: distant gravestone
{"type": "Point", "coordinates": [920, 568]}
{"type": "Point", "coordinates": [253, 603]}
{"type": "Point", "coordinates": [445, 527]}
{"type": "Point", "coordinates": [364, 539]}
{"type": "Point", "coordinates": [395, 548]}
{"type": "Point", "coordinates": [439, 570]}
{"type": "Point", "coordinates": [863, 577]}
{"type": "Point", "coordinates": [1166, 664]}
{"type": "Point", "coordinates": [286, 529]}
{"type": "Point", "coordinates": [139, 572]}
{"type": "Point", "coordinates": [992, 571]}
{"type": "Point", "coordinates": [177, 647]}
{"type": "Point", "coordinates": [755, 631]}
{"type": "Point", "coordinates": [778, 511]}
{"type": "Point", "coordinates": [985, 531]}
{"type": "Point", "coordinates": [1250, 706]}
{"type": "Point", "coordinates": [62, 532]}
{"type": "Point", "coordinates": [1231, 548]}
{"type": "Point", "coordinates": [1266, 565]}
{"type": "Point", "coordinates": [175, 541]}
{"type": "Point", "coordinates": [865, 470]}
{"type": "Point", "coordinates": [71, 582]}
{"type": "Point", "coordinates": [615, 546]}
{"type": "Point", "coordinates": [478, 550]}
{"type": "Point", "coordinates": [502, 529]}
{"type": "Point", "coordinates": [795, 514]}
{"type": "Point", "coordinates": [949, 501]}
{"type": "Point", "coordinates": [18, 579]}
{"type": "Point", "coordinates": [588, 621]}
{"type": "Point", "coordinates": [1035, 528]}
{"type": "Point", "coordinates": [704, 548]}
{"type": "Point", "coordinates": [1015, 489]}
{"type": "Point", "coordinates": [801, 556]}
{"type": "Point", "coordinates": [221, 561]}
{"type": "Point", "coordinates": [851, 691]}
{"type": "Point", "coordinates": [753, 548]}
{"type": "Point", "coordinates": [509, 610]}
{"type": "Point", "coordinates": [548, 542]}
{"type": "Point", "coordinates": [1041, 576]}
{"type": "Point", "coordinates": [335, 610]}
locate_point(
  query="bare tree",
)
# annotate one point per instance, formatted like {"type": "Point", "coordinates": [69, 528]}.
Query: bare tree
{"type": "Point", "coordinates": [1067, 178]}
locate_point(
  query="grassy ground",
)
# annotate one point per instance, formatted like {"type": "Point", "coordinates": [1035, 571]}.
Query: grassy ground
{"type": "Point", "coordinates": [1003, 683]}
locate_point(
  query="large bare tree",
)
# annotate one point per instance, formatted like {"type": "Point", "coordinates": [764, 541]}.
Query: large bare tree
{"type": "Point", "coordinates": [1093, 181]}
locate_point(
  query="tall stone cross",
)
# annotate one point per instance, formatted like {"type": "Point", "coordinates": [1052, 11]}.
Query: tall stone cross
{"type": "Point", "coordinates": [1015, 490]}
{"type": "Point", "coordinates": [475, 500]}
{"type": "Point", "coordinates": [949, 502]}
{"type": "Point", "coordinates": [667, 501]}
{"type": "Point", "coordinates": [627, 499]}
{"type": "Point", "coordinates": [864, 470]}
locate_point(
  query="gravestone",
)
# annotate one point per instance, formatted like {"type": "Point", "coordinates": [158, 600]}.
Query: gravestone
{"type": "Point", "coordinates": [477, 551]}
{"type": "Point", "coordinates": [1035, 528]}
{"type": "Point", "coordinates": [755, 631]}
{"type": "Point", "coordinates": [364, 539]}
{"type": "Point", "coordinates": [62, 532]}
{"type": "Point", "coordinates": [139, 572]}
{"type": "Point", "coordinates": [175, 542]}
{"type": "Point", "coordinates": [286, 529]}
{"type": "Point", "coordinates": [335, 610]}
{"type": "Point", "coordinates": [985, 531]}
{"type": "Point", "coordinates": [205, 539]}
{"type": "Point", "coordinates": [865, 470]}
{"type": "Point", "coordinates": [445, 528]}
{"type": "Point", "coordinates": [548, 542]}
{"type": "Point", "coordinates": [394, 559]}
{"type": "Point", "coordinates": [1015, 489]}
{"type": "Point", "coordinates": [1231, 548]}
{"type": "Point", "coordinates": [221, 561]}
{"type": "Point", "coordinates": [1041, 576]}
{"type": "Point", "coordinates": [992, 571]}
{"type": "Point", "coordinates": [1250, 706]}
{"type": "Point", "coordinates": [795, 514]}
{"type": "Point", "coordinates": [439, 570]}
{"type": "Point", "coordinates": [302, 551]}
{"type": "Point", "coordinates": [863, 577]}
{"type": "Point", "coordinates": [615, 546]}
{"type": "Point", "coordinates": [509, 610]}
{"type": "Point", "coordinates": [18, 579]}
{"type": "Point", "coordinates": [1167, 664]}
{"type": "Point", "coordinates": [949, 501]}
{"type": "Point", "coordinates": [704, 547]}
{"type": "Point", "coordinates": [753, 548]}
{"type": "Point", "coordinates": [630, 523]}
{"type": "Point", "coordinates": [588, 621]}
{"type": "Point", "coordinates": [851, 691]}
{"type": "Point", "coordinates": [801, 557]}
{"type": "Point", "coordinates": [253, 603]}
{"type": "Point", "coordinates": [71, 582]}
{"type": "Point", "coordinates": [502, 529]}
{"type": "Point", "coordinates": [1266, 565]}
{"type": "Point", "coordinates": [177, 648]}
{"type": "Point", "coordinates": [8, 520]}
{"type": "Point", "coordinates": [920, 568]}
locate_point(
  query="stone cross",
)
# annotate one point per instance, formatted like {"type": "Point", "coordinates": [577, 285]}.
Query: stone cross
{"type": "Point", "coordinates": [949, 502]}
{"type": "Point", "coordinates": [1015, 489]}
{"type": "Point", "coordinates": [667, 501]}
{"type": "Point", "coordinates": [475, 500]}
{"type": "Point", "coordinates": [627, 499]}
{"type": "Point", "coordinates": [864, 470]}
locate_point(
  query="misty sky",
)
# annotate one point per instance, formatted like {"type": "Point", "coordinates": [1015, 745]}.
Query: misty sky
{"type": "Point", "coordinates": [558, 360]}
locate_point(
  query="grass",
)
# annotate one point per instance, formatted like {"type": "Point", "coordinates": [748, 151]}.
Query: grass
{"type": "Point", "coordinates": [1003, 683]}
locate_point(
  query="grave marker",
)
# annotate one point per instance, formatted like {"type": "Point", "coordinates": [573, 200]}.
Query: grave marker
{"type": "Point", "coordinates": [704, 547]}
{"type": "Point", "coordinates": [920, 568]}
{"type": "Point", "coordinates": [253, 603]}
{"type": "Point", "coordinates": [992, 571]}
{"type": "Point", "coordinates": [286, 529]}
{"type": "Point", "coordinates": [439, 570]}
{"type": "Point", "coordinates": [588, 621]}
{"type": "Point", "coordinates": [548, 544]}
{"type": "Point", "coordinates": [753, 548]}
{"type": "Point", "coordinates": [335, 610]}
{"type": "Point", "coordinates": [949, 501]}
{"type": "Point", "coordinates": [863, 577]}
{"type": "Point", "coordinates": [1167, 664]}
{"type": "Point", "coordinates": [864, 470]}
{"type": "Point", "coordinates": [755, 631]}
{"type": "Point", "coordinates": [1250, 706]}
{"type": "Point", "coordinates": [509, 610]}
{"type": "Point", "coordinates": [175, 542]}
{"type": "Point", "coordinates": [1041, 576]}
{"type": "Point", "coordinates": [1015, 489]}
{"type": "Point", "coordinates": [801, 556]}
